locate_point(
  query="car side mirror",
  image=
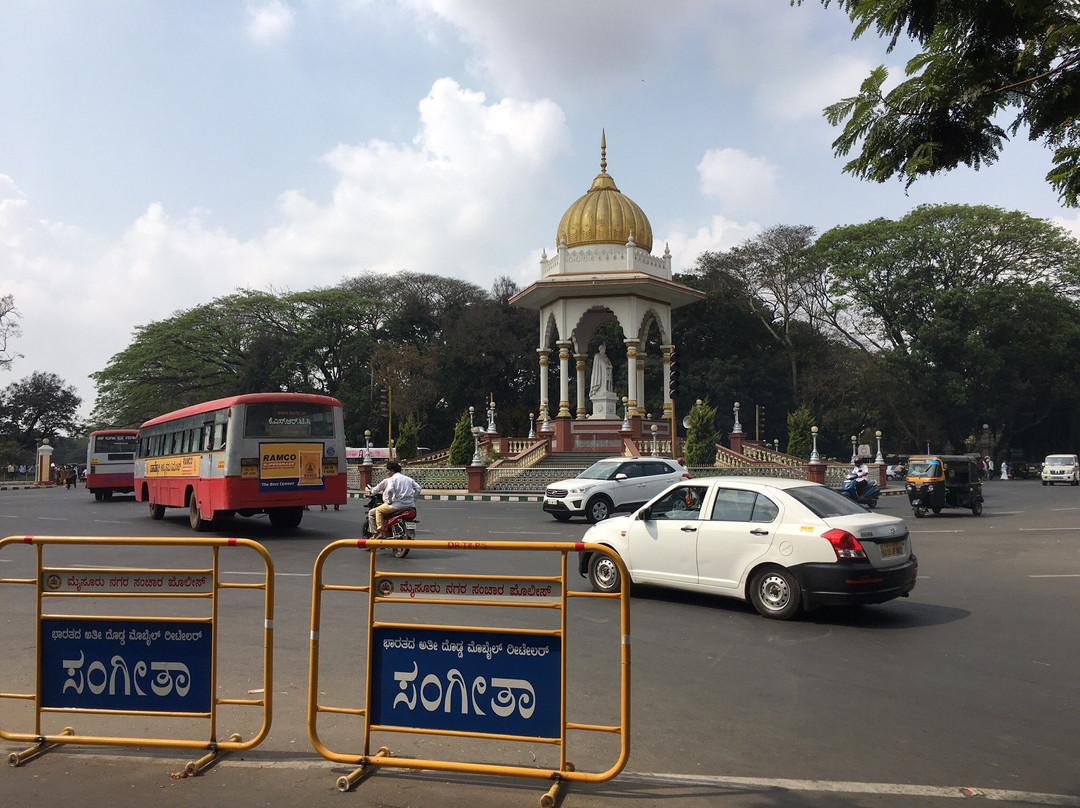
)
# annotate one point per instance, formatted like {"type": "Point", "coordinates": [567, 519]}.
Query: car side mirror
{"type": "Point", "coordinates": [645, 514]}
{"type": "Point", "coordinates": [620, 476]}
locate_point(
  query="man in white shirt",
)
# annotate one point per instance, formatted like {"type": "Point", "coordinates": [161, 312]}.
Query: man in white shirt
{"type": "Point", "coordinates": [399, 494]}
{"type": "Point", "coordinates": [862, 475]}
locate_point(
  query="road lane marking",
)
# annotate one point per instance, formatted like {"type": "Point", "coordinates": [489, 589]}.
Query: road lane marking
{"type": "Point", "coordinates": [1062, 575]}
{"type": "Point", "coordinates": [1044, 529]}
{"type": "Point", "coordinates": [900, 789]}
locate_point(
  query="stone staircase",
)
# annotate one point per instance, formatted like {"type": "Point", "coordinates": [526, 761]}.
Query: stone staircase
{"type": "Point", "coordinates": [552, 468]}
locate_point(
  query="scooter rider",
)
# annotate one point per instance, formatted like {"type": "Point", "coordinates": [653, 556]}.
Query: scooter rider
{"type": "Point", "coordinates": [399, 493]}
{"type": "Point", "coordinates": [861, 472]}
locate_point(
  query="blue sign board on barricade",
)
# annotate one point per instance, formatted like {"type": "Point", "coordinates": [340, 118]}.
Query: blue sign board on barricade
{"type": "Point", "coordinates": [505, 683]}
{"type": "Point", "coordinates": [119, 664]}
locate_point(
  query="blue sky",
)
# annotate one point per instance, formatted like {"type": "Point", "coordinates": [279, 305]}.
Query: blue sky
{"type": "Point", "coordinates": [157, 155]}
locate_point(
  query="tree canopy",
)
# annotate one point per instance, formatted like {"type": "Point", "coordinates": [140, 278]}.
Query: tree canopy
{"type": "Point", "coordinates": [981, 61]}
{"type": "Point", "coordinates": [37, 407]}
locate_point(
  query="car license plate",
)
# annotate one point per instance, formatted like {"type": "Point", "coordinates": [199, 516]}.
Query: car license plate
{"type": "Point", "coordinates": [891, 548]}
{"type": "Point", "coordinates": [410, 525]}
{"type": "Point", "coordinates": [551, 502]}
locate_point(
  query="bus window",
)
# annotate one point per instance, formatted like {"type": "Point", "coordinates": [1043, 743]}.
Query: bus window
{"type": "Point", "coordinates": [219, 436]}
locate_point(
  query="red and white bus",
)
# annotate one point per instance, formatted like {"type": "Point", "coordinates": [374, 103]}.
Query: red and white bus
{"type": "Point", "coordinates": [273, 453]}
{"type": "Point", "coordinates": [110, 462]}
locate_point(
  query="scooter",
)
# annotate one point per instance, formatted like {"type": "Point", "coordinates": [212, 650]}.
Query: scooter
{"type": "Point", "coordinates": [399, 526]}
{"type": "Point", "coordinates": [869, 497]}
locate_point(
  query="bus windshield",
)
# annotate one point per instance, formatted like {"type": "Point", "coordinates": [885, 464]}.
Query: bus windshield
{"type": "Point", "coordinates": [289, 420]}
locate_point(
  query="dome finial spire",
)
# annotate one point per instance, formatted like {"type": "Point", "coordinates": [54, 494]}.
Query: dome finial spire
{"type": "Point", "coordinates": [603, 152]}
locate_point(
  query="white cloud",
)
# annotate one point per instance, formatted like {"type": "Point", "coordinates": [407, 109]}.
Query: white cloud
{"type": "Point", "coordinates": [802, 95]}
{"type": "Point", "coordinates": [736, 177]}
{"type": "Point", "coordinates": [1070, 224]}
{"type": "Point", "coordinates": [720, 234]}
{"type": "Point", "coordinates": [269, 22]}
{"type": "Point", "coordinates": [455, 201]}
{"type": "Point", "coordinates": [599, 46]}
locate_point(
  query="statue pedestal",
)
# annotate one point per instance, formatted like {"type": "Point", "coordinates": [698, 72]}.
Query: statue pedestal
{"type": "Point", "coordinates": [605, 405]}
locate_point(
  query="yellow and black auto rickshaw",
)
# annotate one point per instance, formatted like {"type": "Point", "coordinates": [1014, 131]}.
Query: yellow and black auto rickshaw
{"type": "Point", "coordinates": [934, 482]}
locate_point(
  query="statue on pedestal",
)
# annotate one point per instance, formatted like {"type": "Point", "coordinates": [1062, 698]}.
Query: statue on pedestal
{"type": "Point", "coordinates": [602, 387]}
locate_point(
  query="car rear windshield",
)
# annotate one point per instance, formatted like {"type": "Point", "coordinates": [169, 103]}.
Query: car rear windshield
{"type": "Point", "coordinates": [824, 502]}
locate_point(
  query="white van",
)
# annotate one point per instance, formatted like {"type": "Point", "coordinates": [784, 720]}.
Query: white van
{"type": "Point", "coordinates": [1061, 468]}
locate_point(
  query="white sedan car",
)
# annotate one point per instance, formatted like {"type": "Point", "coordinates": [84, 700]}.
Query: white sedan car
{"type": "Point", "coordinates": [783, 545]}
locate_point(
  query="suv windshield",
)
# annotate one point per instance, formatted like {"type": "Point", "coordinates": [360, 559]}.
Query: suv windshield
{"type": "Point", "coordinates": [603, 470]}
{"type": "Point", "coordinates": [824, 502]}
{"type": "Point", "coordinates": [1060, 460]}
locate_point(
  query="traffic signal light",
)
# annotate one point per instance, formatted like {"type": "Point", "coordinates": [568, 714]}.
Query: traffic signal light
{"type": "Point", "coordinates": [381, 405]}
{"type": "Point", "coordinates": [673, 377]}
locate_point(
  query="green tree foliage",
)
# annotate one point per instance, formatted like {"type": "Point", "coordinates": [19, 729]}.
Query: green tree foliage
{"type": "Point", "coordinates": [980, 62]}
{"type": "Point", "coordinates": [463, 445]}
{"type": "Point", "coordinates": [408, 439]}
{"type": "Point", "coordinates": [947, 304]}
{"type": "Point", "coordinates": [440, 344]}
{"type": "Point", "coordinates": [800, 441]}
{"type": "Point", "coordinates": [774, 277]}
{"type": "Point", "coordinates": [39, 406]}
{"type": "Point", "coordinates": [725, 352]}
{"type": "Point", "coordinates": [699, 448]}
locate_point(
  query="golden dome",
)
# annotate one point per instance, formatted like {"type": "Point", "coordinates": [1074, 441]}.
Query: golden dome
{"type": "Point", "coordinates": [604, 215]}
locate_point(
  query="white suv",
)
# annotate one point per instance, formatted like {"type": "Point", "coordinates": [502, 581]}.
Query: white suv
{"type": "Point", "coordinates": [1061, 468]}
{"type": "Point", "coordinates": [612, 484]}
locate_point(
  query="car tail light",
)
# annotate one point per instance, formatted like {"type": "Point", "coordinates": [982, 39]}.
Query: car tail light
{"type": "Point", "coordinates": [844, 544]}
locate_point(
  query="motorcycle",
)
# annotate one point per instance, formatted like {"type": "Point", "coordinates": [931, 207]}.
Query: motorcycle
{"type": "Point", "coordinates": [399, 526]}
{"type": "Point", "coordinates": [868, 498]}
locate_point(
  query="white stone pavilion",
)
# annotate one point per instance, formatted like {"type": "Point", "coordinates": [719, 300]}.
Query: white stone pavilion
{"type": "Point", "coordinates": [603, 271]}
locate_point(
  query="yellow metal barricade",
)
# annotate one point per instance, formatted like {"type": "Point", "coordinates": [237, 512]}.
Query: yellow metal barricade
{"type": "Point", "coordinates": [436, 667]}
{"type": "Point", "coordinates": [118, 642]}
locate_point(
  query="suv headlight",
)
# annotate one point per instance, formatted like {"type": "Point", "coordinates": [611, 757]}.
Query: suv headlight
{"type": "Point", "coordinates": [580, 489]}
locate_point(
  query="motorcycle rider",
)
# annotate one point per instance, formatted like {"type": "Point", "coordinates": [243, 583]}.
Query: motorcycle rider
{"type": "Point", "coordinates": [861, 473]}
{"type": "Point", "coordinates": [399, 493]}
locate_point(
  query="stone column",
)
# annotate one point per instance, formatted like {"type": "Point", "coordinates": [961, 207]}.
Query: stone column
{"type": "Point", "coordinates": [582, 413]}
{"type": "Point", "coordinates": [640, 385]}
{"type": "Point", "coordinates": [668, 407]}
{"type": "Point", "coordinates": [631, 374]}
{"type": "Point", "coordinates": [564, 378]}
{"type": "Point", "coordinates": [543, 381]}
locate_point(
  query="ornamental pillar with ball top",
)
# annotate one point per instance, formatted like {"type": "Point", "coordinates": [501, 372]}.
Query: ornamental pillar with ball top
{"type": "Point", "coordinates": [815, 471]}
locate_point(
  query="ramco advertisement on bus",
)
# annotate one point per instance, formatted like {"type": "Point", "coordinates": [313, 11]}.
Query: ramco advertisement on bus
{"type": "Point", "coordinates": [288, 466]}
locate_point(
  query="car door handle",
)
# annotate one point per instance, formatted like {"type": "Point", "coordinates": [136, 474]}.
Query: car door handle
{"type": "Point", "coordinates": [688, 529]}
{"type": "Point", "coordinates": [759, 532]}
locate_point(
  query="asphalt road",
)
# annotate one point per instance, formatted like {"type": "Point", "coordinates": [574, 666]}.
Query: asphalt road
{"type": "Point", "coordinates": [969, 689]}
